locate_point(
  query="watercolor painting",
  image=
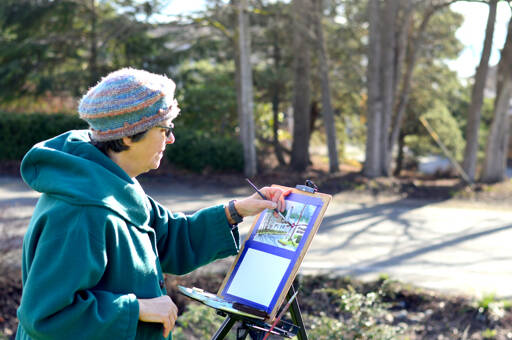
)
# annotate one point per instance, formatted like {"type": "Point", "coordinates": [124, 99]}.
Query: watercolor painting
{"type": "Point", "coordinates": [276, 232]}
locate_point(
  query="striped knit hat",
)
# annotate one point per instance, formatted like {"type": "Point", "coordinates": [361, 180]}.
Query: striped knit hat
{"type": "Point", "coordinates": [126, 102]}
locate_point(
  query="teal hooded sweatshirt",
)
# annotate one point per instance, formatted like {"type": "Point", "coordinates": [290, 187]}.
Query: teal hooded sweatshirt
{"type": "Point", "coordinates": [96, 242]}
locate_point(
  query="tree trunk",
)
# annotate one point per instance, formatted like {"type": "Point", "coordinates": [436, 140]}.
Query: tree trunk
{"type": "Point", "coordinates": [404, 28]}
{"type": "Point", "coordinates": [494, 169]}
{"type": "Point", "coordinates": [405, 91]}
{"type": "Point", "coordinates": [278, 150]}
{"type": "Point", "coordinates": [93, 57]}
{"type": "Point", "coordinates": [387, 68]}
{"type": "Point", "coordinates": [327, 111]}
{"type": "Point", "coordinates": [301, 94]}
{"type": "Point", "coordinates": [276, 99]}
{"type": "Point", "coordinates": [372, 163]}
{"type": "Point", "coordinates": [400, 156]}
{"type": "Point", "coordinates": [245, 94]}
{"type": "Point", "coordinates": [477, 97]}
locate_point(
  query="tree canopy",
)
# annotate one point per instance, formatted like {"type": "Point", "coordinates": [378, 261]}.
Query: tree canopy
{"type": "Point", "coordinates": [60, 48]}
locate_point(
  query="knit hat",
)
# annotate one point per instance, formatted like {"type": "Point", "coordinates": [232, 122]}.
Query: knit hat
{"type": "Point", "coordinates": [126, 102]}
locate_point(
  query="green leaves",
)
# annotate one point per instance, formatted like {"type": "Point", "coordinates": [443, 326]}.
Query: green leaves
{"type": "Point", "coordinates": [202, 152]}
{"type": "Point", "coordinates": [66, 46]}
{"type": "Point", "coordinates": [19, 132]}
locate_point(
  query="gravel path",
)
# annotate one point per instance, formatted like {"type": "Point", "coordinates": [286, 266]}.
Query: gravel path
{"type": "Point", "coordinates": [449, 246]}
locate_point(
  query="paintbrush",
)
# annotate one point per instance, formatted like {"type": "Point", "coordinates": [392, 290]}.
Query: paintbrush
{"type": "Point", "coordinates": [263, 196]}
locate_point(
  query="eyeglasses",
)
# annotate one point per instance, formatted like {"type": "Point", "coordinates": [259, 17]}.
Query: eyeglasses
{"type": "Point", "coordinates": [168, 129]}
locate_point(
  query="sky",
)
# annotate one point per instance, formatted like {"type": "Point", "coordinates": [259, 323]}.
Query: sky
{"type": "Point", "coordinates": [471, 33]}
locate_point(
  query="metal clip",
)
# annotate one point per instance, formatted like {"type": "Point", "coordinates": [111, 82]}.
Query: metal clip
{"type": "Point", "coordinates": [309, 187]}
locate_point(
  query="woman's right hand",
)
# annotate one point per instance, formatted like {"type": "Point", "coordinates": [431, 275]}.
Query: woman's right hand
{"type": "Point", "coordinates": [161, 309]}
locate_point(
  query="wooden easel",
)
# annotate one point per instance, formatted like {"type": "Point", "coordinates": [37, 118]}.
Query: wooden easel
{"type": "Point", "coordinates": [257, 329]}
{"type": "Point", "coordinates": [250, 323]}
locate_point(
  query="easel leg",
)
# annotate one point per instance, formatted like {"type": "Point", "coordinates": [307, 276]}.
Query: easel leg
{"type": "Point", "coordinates": [243, 331]}
{"type": "Point", "coordinates": [297, 316]}
{"type": "Point", "coordinates": [224, 329]}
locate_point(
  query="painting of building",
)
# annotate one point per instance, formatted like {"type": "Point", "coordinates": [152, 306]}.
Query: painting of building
{"type": "Point", "coordinates": [273, 230]}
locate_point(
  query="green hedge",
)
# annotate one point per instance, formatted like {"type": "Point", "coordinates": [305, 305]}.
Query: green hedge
{"type": "Point", "coordinates": [19, 132]}
{"type": "Point", "coordinates": [197, 151]}
{"type": "Point", "coordinates": [192, 150]}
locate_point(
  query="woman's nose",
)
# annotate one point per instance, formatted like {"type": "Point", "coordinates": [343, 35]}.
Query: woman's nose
{"type": "Point", "coordinates": [170, 139]}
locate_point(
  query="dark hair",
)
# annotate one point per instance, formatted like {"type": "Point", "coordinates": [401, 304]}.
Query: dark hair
{"type": "Point", "coordinates": [116, 145]}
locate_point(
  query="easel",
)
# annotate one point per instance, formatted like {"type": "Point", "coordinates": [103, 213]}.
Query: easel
{"type": "Point", "coordinates": [257, 329]}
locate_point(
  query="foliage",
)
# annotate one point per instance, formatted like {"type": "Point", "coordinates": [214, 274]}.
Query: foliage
{"type": "Point", "coordinates": [440, 40]}
{"type": "Point", "coordinates": [495, 309]}
{"type": "Point", "coordinates": [363, 317]}
{"type": "Point", "coordinates": [192, 150]}
{"type": "Point", "coordinates": [198, 322]}
{"type": "Point", "coordinates": [207, 97]}
{"type": "Point", "coordinates": [457, 98]}
{"type": "Point", "coordinates": [198, 151]}
{"type": "Point", "coordinates": [325, 328]}
{"type": "Point", "coordinates": [486, 300]}
{"type": "Point", "coordinates": [66, 46]}
{"type": "Point", "coordinates": [446, 128]}
{"type": "Point", "coordinates": [489, 334]}
{"type": "Point", "coordinates": [347, 23]}
{"type": "Point", "coordinates": [57, 49]}
{"type": "Point", "coordinates": [19, 132]}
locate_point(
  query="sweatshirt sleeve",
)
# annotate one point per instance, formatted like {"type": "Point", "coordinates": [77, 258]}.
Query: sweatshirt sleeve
{"type": "Point", "coordinates": [57, 301]}
{"type": "Point", "coordinates": [186, 242]}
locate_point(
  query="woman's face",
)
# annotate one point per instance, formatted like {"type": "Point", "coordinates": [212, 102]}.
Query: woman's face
{"type": "Point", "coordinates": [146, 153]}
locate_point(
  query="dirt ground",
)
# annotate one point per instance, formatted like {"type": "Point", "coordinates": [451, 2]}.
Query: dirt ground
{"type": "Point", "coordinates": [422, 313]}
{"type": "Point", "coordinates": [427, 314]}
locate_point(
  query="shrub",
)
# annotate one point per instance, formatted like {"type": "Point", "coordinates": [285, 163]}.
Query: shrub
{"type": "Point", "coordinates": [363, 316]}
{"type": "Point", "coordinates": [207, 97]}
{"type": "Point", "coordinates": [19, 132]}
{"type": "Point", "coordinates": [198, 322]}
{"type": "Point", "coordinates": [193, 150]}
{"type": "Point", "coordinates": [198, 151]}
{"type": "Point", "coordinates": [446, 128]}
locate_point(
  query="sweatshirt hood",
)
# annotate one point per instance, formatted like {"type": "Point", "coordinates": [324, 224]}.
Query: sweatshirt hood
{"type": "Point", "coordinates": [70, 168]}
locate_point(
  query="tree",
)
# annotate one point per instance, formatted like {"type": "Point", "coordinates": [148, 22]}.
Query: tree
{"type": "Point", "coordinates": [446, 128]}
{"type": "Point", "coordinates": [372, 165]}
{"type": "Point", "coordinates": [272, 68]}
{"type": "Point", "coordinates": [494, 167]}
{"type": "Point", "coordinates": [388, 70]}
{"type": "Point", "coordinates": [65, 46]}
{"type": "Point", "coordinates": [207, 97]}
{"type": "Point", "coordinates": [301, 10]}
{"type": "Point", "coordinates": [327, 110]}
{"type": "Point", "coordinates": [436, 90]}
{"type": "Point", "coordinates": [385, 58]}
{"type": "Point", "coordinates": [477, 96]}
{"type": "Point", "coordinates": [244, 89]}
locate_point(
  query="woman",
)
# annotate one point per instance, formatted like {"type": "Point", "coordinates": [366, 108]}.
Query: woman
{"type": "Point", "coordinates": [97, 246]}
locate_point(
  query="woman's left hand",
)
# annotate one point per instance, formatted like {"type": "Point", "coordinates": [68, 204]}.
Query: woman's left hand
{"type": "Point", "coordinates": [254, 204]}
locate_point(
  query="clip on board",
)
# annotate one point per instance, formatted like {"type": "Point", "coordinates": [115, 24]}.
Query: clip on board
{"type": "Point", "coordinates": [265, 267]}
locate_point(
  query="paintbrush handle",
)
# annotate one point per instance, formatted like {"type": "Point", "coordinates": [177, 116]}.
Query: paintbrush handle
{"type": "Point", "coordinates": [257, 190]}
{"type": "Point", "coordinates": [276, 321]}
{"type": "Point", "coordinates": [263, 196]}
